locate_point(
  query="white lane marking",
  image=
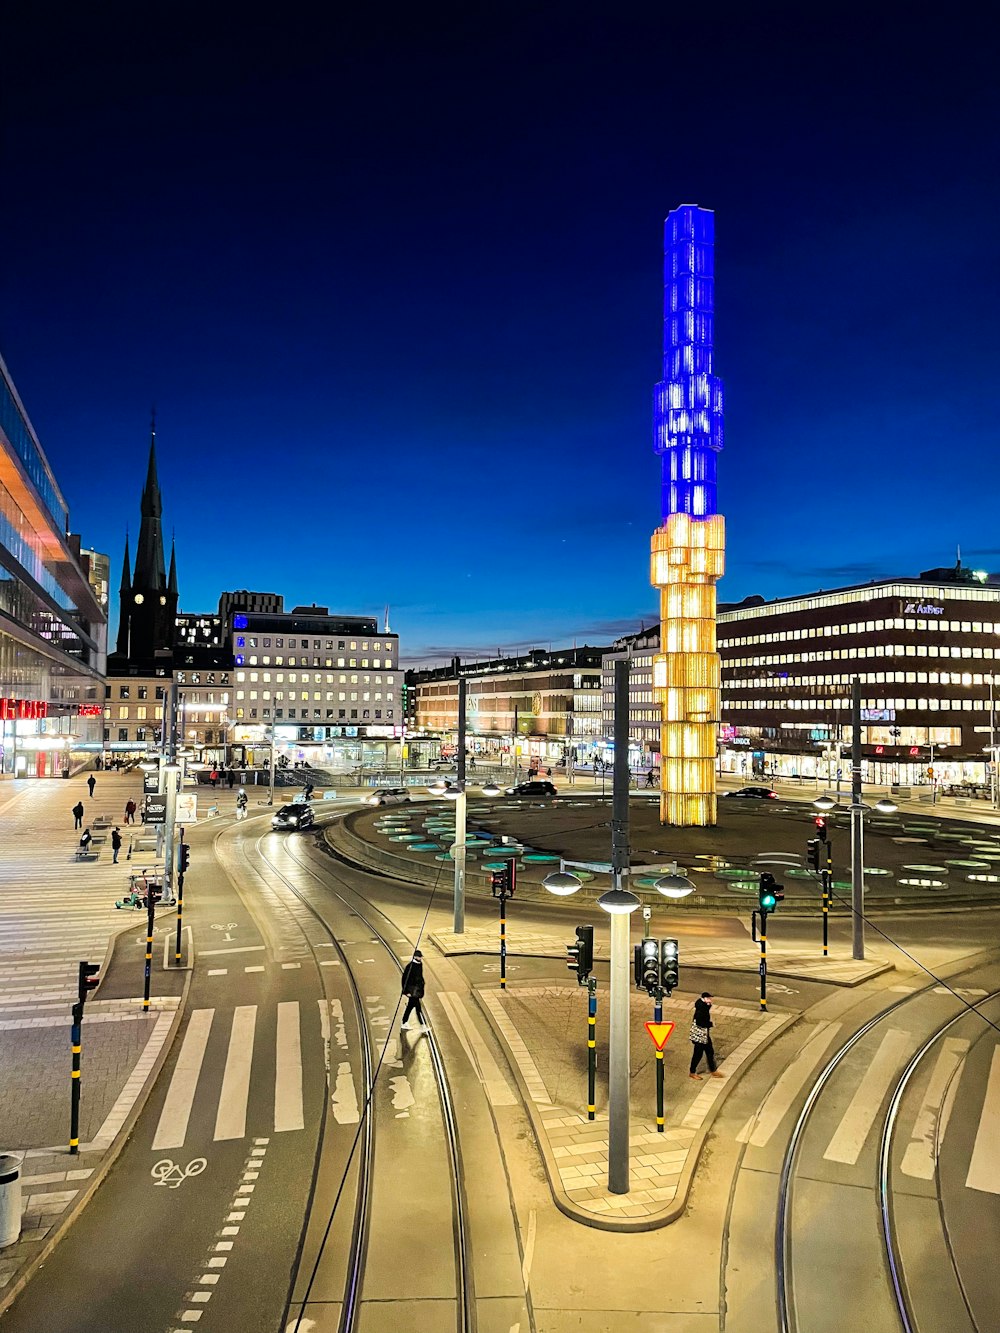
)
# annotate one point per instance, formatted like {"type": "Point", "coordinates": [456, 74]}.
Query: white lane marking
{"type": "Point", "coordinates": [253, 969]}
{"type": "Point", "coordinates": [288, 1069]}
{"type": "Point", "coordinates": [231, 1120]}
{"type": "Point", "coordinates": [984, 1168]}
{"type": "Point", "coordinates": [529, 1249]}
{"type": "Point", "coordinates": [496, 1087]}
{"type": "Point", "coordinates": [337, 1014]}
{"type": "Point", "coordinates": [759, 1128]}
{"type": "Point", "coordinates": [921, 1152]}
{"type": "Point", "coordinates": [286, 966]}
{"type": "Point", "coordinates": [218, 971]}
{"type": "Point", "coordinates": [856, 1122]}
{"type": "Point", "coordinates": [402, 1096]}
{"type": "Point", "coordinates": [345, 1098]}
{"type": "Point", "coordinates": [172, 1127]}
{"type": "Point", "coordinates": [244, 948]}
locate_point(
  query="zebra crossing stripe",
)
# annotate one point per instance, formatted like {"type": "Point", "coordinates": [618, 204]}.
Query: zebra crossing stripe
{"type": "Point", "coordinates": [288, 1070]}
{"type": "Point", "coordinates": [984, 1167]}
{"type": "Point", "coordinates": [856, 1122]}
{"type": "Point", "coordinates": [171, 1130]}
{"type": "Point", "coordinates": [920, 1157]}
{"type": "Point", "coordinates": [231, 1120]}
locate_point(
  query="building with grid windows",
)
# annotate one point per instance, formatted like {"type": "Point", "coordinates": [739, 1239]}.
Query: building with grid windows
{"type": "Point", "coordinates": [645, 719]}
{"type": "Point", "coordinates": [328, 685]}
{"type": "Point", "coordinates": [926, 651]}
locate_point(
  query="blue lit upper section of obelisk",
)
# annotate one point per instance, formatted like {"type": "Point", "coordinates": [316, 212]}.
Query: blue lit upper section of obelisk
{"type": "Point", "coordinates": [687, 403]}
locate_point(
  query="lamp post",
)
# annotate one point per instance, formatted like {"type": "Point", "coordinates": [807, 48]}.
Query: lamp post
{"type": "Point", "coordinates": [858, 809]}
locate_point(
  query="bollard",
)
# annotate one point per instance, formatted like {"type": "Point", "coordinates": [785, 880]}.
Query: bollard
{"type": "Point", "coordinates": [10, 1200]}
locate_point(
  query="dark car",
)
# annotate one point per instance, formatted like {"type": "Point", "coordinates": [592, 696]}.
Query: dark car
{"type": "Point", "coordinates": [295, 816]}
{"type": "Point", "coordinates": [533, 789]}
{"type": "Point", "coordinates": [754, 793]}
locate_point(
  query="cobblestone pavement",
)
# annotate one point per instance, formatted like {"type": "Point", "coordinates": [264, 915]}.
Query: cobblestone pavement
{"type": "Point", "coordinates": [543, 1029]}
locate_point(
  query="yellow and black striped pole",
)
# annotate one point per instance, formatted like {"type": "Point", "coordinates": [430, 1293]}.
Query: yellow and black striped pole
{"type": "Point", "coordinates": [150, 914]}
{"type": "Point", "coordinates": [591, 1047]}
{"type": "Point", "coordinates": [74, 1104]}
{"type": "Point", "coordinates": [658, 1018]}
{"type": "Point", "coordinates": [763, 959]}
{"type": "Point", "coordinates": [503, 940]}
{"type": "Point", "coordinates": [827, 884]}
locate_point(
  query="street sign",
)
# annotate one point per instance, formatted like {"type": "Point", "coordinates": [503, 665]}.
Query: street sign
{"type": "Point", "coordinates": [151, 782]}
{"type": "Point", "coordinates": [156, 809]}
{"type": "Point", "coordinates": [660, 1033]}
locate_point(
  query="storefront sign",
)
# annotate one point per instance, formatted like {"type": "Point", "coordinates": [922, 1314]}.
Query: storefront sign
{"type": "Point", "coordinates": [921, 609]}
{"type": "Point", "coordinates": [878, 715]}
{"type": "Point", "coordinates": [156, 810]}
{"type": "Point", "coordinates": [23, 709]}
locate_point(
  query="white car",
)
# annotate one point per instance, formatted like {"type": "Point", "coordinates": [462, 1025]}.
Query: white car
{"type": "Point", "coordinates": [388, 796]}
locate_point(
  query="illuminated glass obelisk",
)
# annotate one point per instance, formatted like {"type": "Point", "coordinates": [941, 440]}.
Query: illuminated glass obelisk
{"type": "Point", "coordinates": [688, 548]}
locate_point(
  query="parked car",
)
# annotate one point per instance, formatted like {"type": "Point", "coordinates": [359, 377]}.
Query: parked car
{"type": "Point", "coordinates": [540, 788]}
{"type": "Point", "coordinates": [754, 793]}
{"type": "Point", "coordinates": [388, 796]}
{"type": "Point", "coordinates": [297, 816]}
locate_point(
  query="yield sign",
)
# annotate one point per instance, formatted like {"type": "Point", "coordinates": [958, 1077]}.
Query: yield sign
{"type": "Point", "coordinates": [660, 1033]}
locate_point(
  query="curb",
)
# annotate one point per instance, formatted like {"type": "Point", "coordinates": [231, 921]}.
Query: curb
{"type": "Point", "coordinates": [677, 1206]}
{"type": "Point", "coordinates": [108, 1160]}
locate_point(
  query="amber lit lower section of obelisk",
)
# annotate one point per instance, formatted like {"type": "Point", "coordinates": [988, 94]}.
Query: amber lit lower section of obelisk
{"type": "Point", "coordinates": [688, 548]}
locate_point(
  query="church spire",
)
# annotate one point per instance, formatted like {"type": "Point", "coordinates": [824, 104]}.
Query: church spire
{"type": "Point", "coordinates": [172, 577]}
{"type": "Point", "coordinates": [124, 598]}
{"type": "Point", "coordinates": [150, 575]}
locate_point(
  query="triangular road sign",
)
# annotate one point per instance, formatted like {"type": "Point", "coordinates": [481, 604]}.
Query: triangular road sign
{"type": "Point", "coordinates": [660, 1033]}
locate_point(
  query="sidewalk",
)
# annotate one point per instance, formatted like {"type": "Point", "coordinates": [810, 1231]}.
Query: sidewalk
{"type": "Point", "coordinates": [543, 1032]}
{"type": "Point", "coordinates": [55, 911]}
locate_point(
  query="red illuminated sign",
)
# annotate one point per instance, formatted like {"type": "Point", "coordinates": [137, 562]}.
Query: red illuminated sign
{"type": "Point", "coordinates": [90, 710]}
{"type": "Point", "coordinates": [31, 709]}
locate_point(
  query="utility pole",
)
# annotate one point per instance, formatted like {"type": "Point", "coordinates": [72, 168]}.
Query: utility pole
{"type": "Point", "coordinates": [618, 1044]}
{"type": "Point", "coordinates": [270, 792]}
{"type": "Point", "coordinates": [458, 850]}
{"type": "Point", "coordinates": [857, 827]}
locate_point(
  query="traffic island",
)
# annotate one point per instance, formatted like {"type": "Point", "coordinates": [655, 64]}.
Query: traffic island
{"type": "Point", "coordinates": [543, 1030]}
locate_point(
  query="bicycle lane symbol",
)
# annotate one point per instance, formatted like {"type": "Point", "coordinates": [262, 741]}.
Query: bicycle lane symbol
{"type": "Point", "coordinates": [169, 1173]}
{"type": "Point", "coordinates": [230, 925]}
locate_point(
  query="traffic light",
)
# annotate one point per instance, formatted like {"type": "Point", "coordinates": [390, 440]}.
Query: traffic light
{"type": "Point", "coordinates": [580, 954]}
{"type": "Point", "coordinates": [769, 893]}
{"type": "Point", "coordinates": [647, 965]}
{"type": "Point", "coordinates": [669, 964]}
{"type": "Point", "coordinates": [183, 856]}
{"type": "Point", "coordinates": [88, 979]}
{"type": "Point", "coordinates": [812, 853]}
{"type": "Point", "coordinates": [822, 832]}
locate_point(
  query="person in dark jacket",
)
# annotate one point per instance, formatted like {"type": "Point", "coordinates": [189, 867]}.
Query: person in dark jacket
{"type": "Point", "coordinates": [413, 987]}
{"type": "Point", "coordinates": [85, 840]}
{"type": "Point", "coordinates": [78, 815]}
{"type": "Point", "coordinates": [91, 783]}
{"type": "Point", "coordinates": [116, 843]}
{"type": "Point", "coordinates": [701, 1036]}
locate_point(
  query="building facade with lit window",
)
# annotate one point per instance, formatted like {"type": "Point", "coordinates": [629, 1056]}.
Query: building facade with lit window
{"type": "Point", "coordinates": [926, 652]}
{"type": "Point", "coordinates": [551, 700]}
{"type": "Point", "coordinates": [53, 633]}
{"type": "Point", "coordinates": [645, 721]}
{"type": "Point", "coordinates": [330, 685]}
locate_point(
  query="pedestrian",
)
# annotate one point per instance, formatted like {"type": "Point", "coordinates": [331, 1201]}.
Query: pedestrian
{"type": "Point", "coordinates": [701, 1036]}
{"type": "Point", "coordinates": [116, 844]}
{"type": "Point", "coordinates": [130, 811]}
{"type": "Point", "coordinates": [78, 815]}
{"type": "Point", "coordinates": [231, 778]}
{"type": "Point", "coordinates": [213, 777]}
{"type": "Point", "coordinates": [241, 805]}
{"type": "Point", "coordinates": [650, 780]}
{"type": "Point", "coordinates": [309, 789]}
{"type": "Point", "coordinates": [91, 783]}
{"type": "Point", "coordinates": [413, 987]}
{"type": "Point", "coordinates": [85, 840]}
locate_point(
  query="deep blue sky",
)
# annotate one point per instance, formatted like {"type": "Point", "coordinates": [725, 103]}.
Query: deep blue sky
{"type": "Point", "coordinates": [393, 281]}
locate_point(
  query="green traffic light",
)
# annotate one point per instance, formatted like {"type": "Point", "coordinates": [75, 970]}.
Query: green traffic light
{"type": "Point", "coordinates": [768, 900]}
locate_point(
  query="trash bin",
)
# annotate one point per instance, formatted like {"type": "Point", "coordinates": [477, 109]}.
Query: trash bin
{"type": "Point", "coordinates": [10, 1200]}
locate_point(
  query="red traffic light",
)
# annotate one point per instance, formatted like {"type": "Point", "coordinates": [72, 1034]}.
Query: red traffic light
{"type": "Point", "coordinates": [88, 979]}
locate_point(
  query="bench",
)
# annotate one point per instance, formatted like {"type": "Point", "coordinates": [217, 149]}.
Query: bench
{"type": "Point", "coordinates": [85, 854]}
{"type": "Point", "coordinates": [103, 821]}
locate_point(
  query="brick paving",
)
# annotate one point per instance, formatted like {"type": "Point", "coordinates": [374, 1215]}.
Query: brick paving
{"type": "Point", "coordinates": [550, 1021]}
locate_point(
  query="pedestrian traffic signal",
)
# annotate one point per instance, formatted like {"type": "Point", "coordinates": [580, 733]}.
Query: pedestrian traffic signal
{"type": "Point", "coordinates": [580, 954]}
{"type": "Point", "coordinates": [647, 965]}
{"type": "Point", "coordinates": [88, 979]}
{"type": "Point", "coordinates": [812, 853]}
{"type": "Point", "coordinates": [822, 832]}
{"type": "Point", "coordinates": [183, 856]}
{"type": "Point", "coordinates": [769, 893]}
{"type": "Point", "coordinates": [670, 964]}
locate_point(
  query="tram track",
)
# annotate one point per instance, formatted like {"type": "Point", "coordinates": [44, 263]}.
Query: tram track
{"type": "Point", "coordinates": [309, 917]}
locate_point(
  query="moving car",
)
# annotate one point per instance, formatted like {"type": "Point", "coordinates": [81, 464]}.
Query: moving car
{"type": "Point", "coordinates": [540, 788]}
{"type": "Point", "coordinates": [754, 793]}
{"type": "Point", "coordinates": [295, 816]}
{"type": "Point", "coordinates": [388, 796]}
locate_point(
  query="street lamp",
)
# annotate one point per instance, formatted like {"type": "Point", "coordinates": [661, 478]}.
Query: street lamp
{"type": "Point", "coordinates": [674, 884]}
{"type": "Point", "coordinates": [858, 810]}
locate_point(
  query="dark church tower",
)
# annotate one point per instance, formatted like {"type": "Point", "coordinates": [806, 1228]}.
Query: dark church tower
{"type": "Point", "coordinates": [148, 599]}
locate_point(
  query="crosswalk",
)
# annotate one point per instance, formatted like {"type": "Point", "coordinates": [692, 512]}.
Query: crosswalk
{"type": "Point", "coordinates": [859, 1119]}
{"type": "Point", "coordinates": [248, 1030]}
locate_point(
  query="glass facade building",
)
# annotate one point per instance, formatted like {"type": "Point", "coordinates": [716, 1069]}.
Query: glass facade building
{"type": "Point", "coordinates": [53, 633]}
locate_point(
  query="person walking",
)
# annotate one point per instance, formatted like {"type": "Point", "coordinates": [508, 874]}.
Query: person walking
{"type": "Point", "coordinates": [413, 986]}
{"type": "Point", "coordinates": [213, 777]}
{"type": "Point", "coordinates": [701, 1036]}
{"type": "Point", "coordinates": [78, 815]}
{"type": "Point", "coordinates": [650, 780]}
{"type": "Point", "coordinates": [91, 783]}
{"type": "Point", "coordinates": [130, 811]}
{"type": "Point", "coordinates": [116, 844]}
{"type": "Point", "coordinates": [231, 778]}
{"type": "Point", "coordinates": [241, 805]}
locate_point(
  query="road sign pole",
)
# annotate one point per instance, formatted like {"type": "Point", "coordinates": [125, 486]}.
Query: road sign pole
{"type": "Point", "coordinates": [827, 895]}
{"type": "Point", "coordinates": [591, 1047]}
{"type": "Point", "coordinates": [763, 960]}
{"type": "Point", "coordinates": [74, 1102]}
{"type": "Point", "coordinates": [503, 939]}
{"type": "Point", "coordinates": [180, 898]}
{"type": "Point", "coordinates": [658, 1018]}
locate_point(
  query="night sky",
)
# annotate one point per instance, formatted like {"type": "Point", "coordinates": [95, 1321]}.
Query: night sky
{"type": "Point", "coordinates": [393, 281]}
